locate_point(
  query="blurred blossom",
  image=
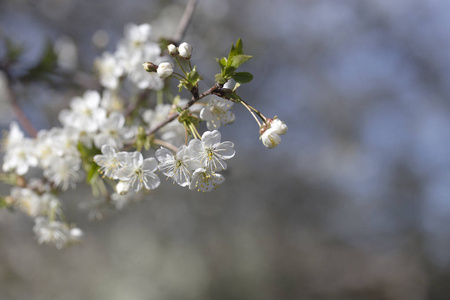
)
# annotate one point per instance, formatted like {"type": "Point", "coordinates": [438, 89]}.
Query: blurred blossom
{"type": "Point", "coordinates": [66, 50]}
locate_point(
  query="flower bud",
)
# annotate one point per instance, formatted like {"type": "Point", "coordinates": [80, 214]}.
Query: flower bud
{"type": "Point", "coordinates": [122, 187]}
{"type": "Point", "coordinates": [165, 69]}
{"type": "Point", "coordinates": [172, 49]}
{"type": "Point", "coordinates": [278, 126]}
{"type": "Point", "coordinates": [270, 138]}
{"type": "Point", "coordinates": [150, 67]}
{"type": "Point", "coordinates": [76, 233]}
{"type": "Point", "coordinates": [185, 50]}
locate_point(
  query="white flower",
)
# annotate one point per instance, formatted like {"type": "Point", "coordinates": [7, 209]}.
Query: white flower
{"type": "Point", "coordinates": [109, 70]}
{"type": "Point", "coordinates": [217, 112]}
{"type": "Point", "coordinates": [172, 49]}
{"type": "Point", "coordinates": [20, 154]}
{"type": "Point", "coordinates": [56, 233]}
{"type": "Point", "coordinates": [165, 69]}
{"type": "Point", "coordinates": [108, 161]}
{"type": "Point", "coordinates": [112, 131]}
{"type": "Point", "coordinates": [31, 203]}
{"type": "Point", "coordinates": [211, 152]}
{"type": "Point", "coordinates": [205, 180]}
{"type": "Point", "coordinates": [85, 114]}
{"type": "Point", "coordinates": [185, 50]}
{"type": "Point", "coordinates": [137, 171]}
{"type": "Point", "coordinates": [278, 126]}
{"type": "Point", "coordinates": [270, 138]}
{"type": "Point", "coordinates": [179, 166]}
{"type": "Point", "coordinates": [137, 35]}
{"type": "Point", "coordinates": [133, 59]}
{"type": "Point", "coordinates": [64, 171]}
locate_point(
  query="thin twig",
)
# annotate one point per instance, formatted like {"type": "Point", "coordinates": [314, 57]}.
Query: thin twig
{"type": "Point", "coordinates": [20, 115]}
{"type": "Point", "coordinates": [194, 99]}
{"type": "Point", "coordinates": [165, 144]}
{"type": "Point", "coordinates": [184, 22]}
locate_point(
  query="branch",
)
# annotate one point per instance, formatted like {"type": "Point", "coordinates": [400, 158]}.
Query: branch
{"type": "Point", "coordinates": [184, 22]}
{"type": "Point", "coordinates": [20, 115]}
{"type": "Point", "coordinates": [214, 89]}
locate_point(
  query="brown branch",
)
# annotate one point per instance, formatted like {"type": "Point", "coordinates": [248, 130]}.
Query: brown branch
{"type": "Point", "coordinates": [20, 115]}
{"type": "Point", "coordinates": [213, 90]}
{"type": "Point", "coordinates": [184, 22]}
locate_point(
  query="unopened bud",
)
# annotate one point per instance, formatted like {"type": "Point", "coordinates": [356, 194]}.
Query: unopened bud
{"type": "Point", "coordinates": [278, 126]}
{"type": "Point", "coordinates": [185, 50]}
{"type": "Point", "coordinates": [172, 49]}
{"type": "Point", "coordinates": [165, 69]}
{"type": "Point", "coordinates": [150, 67]}
{"type": "Point", "coordinates": [122, 187]}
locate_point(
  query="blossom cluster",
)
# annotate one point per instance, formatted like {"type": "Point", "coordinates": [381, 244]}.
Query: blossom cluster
{"type": "Point", "coordinates": [121, 135]}
{"type": "Point", "coordinates": [136, 47]}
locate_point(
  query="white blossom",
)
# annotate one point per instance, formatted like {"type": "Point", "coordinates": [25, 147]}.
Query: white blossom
{"type": "Point", "coordinates": [109, 70]}
{"type": "Point", "coordinates": [270, 138]}
{"type": "Point", "coordinates": [211, 152]}
{"type": "Point", "coordinates": [108, 161]}
{"type": "Point", "coordinates": [217, 112]}
{"type": "Point", "coordinates": [112, 131]}
{"type": "Point", "coordinates": [19, 156]}
{"type": "Point", "coordinates": [56, 233]}
{"type": "Point", "coordinates": [179, 166]}
{"type": "Point", "coordinates": [137, 171]}
{"type": "Point", "coordinates": [32, 203]}
{"type": "Point", "coordinates": [278, 126]}
{"type": "Point", "coordinates": [64, 171]}
{"type": "Point", "coordinates": [137, 35]}
{"type": "Point", "coordinates": [205, 180]}
{"type": "Point", "coordinates": [85, 115]}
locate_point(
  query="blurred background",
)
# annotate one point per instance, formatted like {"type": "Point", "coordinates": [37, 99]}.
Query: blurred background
{"type": "Point", "coordinates": [354, 203]}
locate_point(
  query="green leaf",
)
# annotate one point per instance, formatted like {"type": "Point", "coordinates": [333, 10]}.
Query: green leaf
{"type": "Point", "coordinates": [222, 63]}
{"type": "Point", "coordinates": [93, 173]}
{"type": "Point", "coordinates": [239, 47]}
{"type": "Point", "coordinates": [219, 79]}
{"type": "Point", "coordinates": [45, 65]}
{"type": "Point", "coordinates": [3, 203]}
{"type": "Point", "coordinates": [238, 60]}
{"type": "Point", "coordinates": [231, 54]}
{"type": "Point", "coordinates": [242, 77]}
{"type": "Point", "coordinates": [234, 96]}
{"type": "Point", "coordinates": [228, 72]}
{"type": "Point", "coordinates": [193, 77]}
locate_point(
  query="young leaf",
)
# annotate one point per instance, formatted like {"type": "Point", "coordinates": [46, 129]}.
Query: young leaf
{"type": "Point", "coordinates": [242, 77]}
{"type": "Point", "coordinates": [239, 47]}
{"type": "Point", "coordinates": [222, 63]}
{"type": "Point", "coordinates": [93, 173]}
{"type": "Point", "coordinates": [219, 79]}
{"type": "Point", "coordinates": [238, 60]}
{"type": "Point", "coordinates": [193, 77]}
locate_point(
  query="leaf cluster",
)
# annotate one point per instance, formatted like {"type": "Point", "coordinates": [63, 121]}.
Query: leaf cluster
{"type": "Point", "coordinates": [228, 66]}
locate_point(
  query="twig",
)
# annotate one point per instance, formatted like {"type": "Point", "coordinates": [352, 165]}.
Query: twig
{"type": "Point", "coordinates": [20, 115]}
{"type": "Point", "coordinates": [170, 118]}
{"type": "Point", "coordinates": [184, 22]}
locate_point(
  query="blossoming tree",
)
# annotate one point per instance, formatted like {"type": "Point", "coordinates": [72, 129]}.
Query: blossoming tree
{"type": "Point", "coordinates": [120, 145]}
